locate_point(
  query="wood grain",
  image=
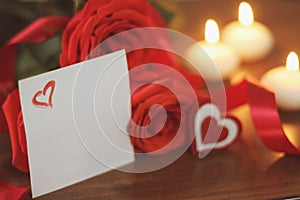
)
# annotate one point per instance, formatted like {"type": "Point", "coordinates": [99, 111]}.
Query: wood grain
{"type": "Point", "coordinates": [247, 170]}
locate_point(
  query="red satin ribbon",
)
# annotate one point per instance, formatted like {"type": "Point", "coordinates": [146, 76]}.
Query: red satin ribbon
{"type": "Point", "coordinates": [11, 192]}
{"type": "Point", "coordinates": [38, 31]}
{"type": "Point", "coordinates": [264, 114]}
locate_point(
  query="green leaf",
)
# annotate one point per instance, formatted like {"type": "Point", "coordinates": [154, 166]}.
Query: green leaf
{"type": "Point", "coordinates": [165, 10]}
{"type": "Point", "coordinates": [78, 4]}
{"type": "Point", "coordinates": [34, 59]}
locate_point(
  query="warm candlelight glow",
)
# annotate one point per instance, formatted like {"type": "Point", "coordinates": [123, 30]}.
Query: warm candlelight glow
{"type": "Point", "coordinates": [292, 62]}
{"type": "Point", "coordinates": [212, 33]}
{"type": "Point", "coordinates": [245, 14]}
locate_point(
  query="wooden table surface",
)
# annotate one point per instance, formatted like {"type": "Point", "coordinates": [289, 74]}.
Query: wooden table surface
{"type": "Point", "coordinates": [247, 170]}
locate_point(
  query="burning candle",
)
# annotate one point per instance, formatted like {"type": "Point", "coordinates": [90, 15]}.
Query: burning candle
{"type": "Point", "coordinates": [251, 40]}
{"type": "Point", "coordinates": [223, 57]}
{"type": "Point", "coordinates": [285, 81]}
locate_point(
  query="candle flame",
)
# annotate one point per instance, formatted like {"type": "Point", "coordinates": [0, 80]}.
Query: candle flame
{"type": "Point", "coordinates": [245, 14]}
{"type": "Point", "coordinates": [212, 33]}
{"type": "Point", "coordinates": [292, 62]}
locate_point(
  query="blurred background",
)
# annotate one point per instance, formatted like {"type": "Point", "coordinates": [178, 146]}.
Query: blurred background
{"type": "Point", "coordinates": [16, 14]}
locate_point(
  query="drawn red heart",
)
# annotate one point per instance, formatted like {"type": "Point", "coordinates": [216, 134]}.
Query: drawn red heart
{"type": "Point", "coordinates": [48, 103]}
{"type": "Point", "coordinates": [212, 131]}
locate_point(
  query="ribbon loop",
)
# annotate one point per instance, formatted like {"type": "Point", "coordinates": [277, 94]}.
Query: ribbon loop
{"type": "Point", "coordinates": [264, 114]}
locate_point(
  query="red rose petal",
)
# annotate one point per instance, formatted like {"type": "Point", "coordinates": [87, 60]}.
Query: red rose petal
{"type": "Point", "coordinates": [21, 134]}
{"type": "Point", "coordinates": [12, 108]}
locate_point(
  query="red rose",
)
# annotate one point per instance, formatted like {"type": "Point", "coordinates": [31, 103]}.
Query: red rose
{"type": "Point", "coordinates": [101, 19]}
{"type": "Point", "coordinates": [159, 113]}
{"type": "Point", "coordinates": [159, 133]}
{"type": "Point", "coordinates": [13, 114]}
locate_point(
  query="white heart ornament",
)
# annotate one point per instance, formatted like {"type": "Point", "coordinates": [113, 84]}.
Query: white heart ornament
{"type": "Point", "coordinates": [211, 110]}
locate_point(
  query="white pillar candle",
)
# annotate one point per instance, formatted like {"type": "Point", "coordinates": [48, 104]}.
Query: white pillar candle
{"type": "Point", "coordinates": [285, 81]}
{"type": "Point", "coordinates": [223, 57]}
{"type": "Point", "coordinates": [251, 40]}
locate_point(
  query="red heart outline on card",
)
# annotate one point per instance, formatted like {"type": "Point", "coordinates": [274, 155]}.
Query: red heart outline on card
{"type": "Point", "coordinates": [48, 103]}
{"type": "Point", "coordinates": [231, 124]}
